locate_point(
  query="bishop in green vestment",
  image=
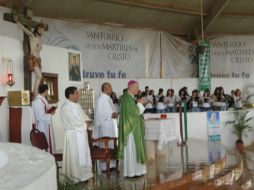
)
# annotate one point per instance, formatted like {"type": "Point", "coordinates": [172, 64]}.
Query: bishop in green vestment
{"type": "Point", "coordinates": [131, 147]}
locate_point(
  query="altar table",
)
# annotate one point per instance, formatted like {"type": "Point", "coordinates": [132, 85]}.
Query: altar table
{"type": "Point", "coordinates": [23, 167]}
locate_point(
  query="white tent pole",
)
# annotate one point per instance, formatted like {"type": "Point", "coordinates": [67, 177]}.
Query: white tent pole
{"type": "Point", "coordinates": [161, 66]}
{"type": "Point", "coordinates": [202, 21]}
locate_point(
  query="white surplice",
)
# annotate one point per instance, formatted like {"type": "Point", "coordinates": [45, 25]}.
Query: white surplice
{"type": "Point", "coordinates": [44, 120]}
{"type": "Point", "coordinates": [77, 164]}
{"type": "Point", "coordinates": [131, 167]}
{"type": "Point", "coordinates": [105, 125]}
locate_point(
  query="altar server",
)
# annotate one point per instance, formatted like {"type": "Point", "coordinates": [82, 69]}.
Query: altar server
{"type": "Point", "coordinates": [42, 117]}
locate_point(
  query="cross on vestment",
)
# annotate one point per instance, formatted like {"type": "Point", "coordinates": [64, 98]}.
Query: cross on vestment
{"type": "Point", "coordinates": [26, 20]}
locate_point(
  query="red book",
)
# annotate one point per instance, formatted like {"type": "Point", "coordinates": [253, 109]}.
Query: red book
{"type": "Point", "coordinates": [52, 109]}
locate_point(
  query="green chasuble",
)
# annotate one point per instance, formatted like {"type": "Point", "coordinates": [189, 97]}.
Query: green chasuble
{"type": "Point", "coordinates": [131, 122]}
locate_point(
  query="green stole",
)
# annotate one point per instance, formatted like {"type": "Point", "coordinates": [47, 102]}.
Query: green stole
{"type": "Point", "coordinates": [131, 122]}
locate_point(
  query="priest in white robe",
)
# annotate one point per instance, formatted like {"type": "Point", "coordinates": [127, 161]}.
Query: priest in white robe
{"type": "Point", "coordinates": [105, 120]}
{"type": "Point", "coordinates": [42, 118]}
{"type": "Point", "coordinates": [77, 164]}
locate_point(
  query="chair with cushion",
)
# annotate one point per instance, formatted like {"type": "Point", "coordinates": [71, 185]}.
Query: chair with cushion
{"type": "Point", "coordinates": [105, 153]}
{"type": "Point", "coordinates": [39, 140]}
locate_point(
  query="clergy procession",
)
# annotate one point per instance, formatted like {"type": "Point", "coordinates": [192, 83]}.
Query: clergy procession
{"type": "Point", "coordinates": [77, 164]}
{"type": "Point", "coordinates": [126, 95]}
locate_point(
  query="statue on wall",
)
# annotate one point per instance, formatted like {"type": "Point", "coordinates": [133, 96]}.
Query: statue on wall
{"type": "Point", "coordinates": [35, 47]}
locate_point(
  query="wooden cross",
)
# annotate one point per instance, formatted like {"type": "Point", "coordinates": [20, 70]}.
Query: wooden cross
{"type": "Point", "coordinates": [26, 20]}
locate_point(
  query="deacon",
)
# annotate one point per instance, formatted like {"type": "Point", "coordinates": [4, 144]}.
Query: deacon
{"type": "Point", "coordinates": [131, 134]}
{"type": "Point", "coordinates": [77, 164]}
{"type": "Point", "coordinates": [105, 119]}
{"type": "Point", "coordinates": [43, 118]}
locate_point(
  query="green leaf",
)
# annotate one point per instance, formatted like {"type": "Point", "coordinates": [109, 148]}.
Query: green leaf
{"type": "Point", "coordinates": [240, 123]}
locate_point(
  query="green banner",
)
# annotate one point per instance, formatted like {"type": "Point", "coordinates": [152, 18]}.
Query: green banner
{"type": "Point", "coordinates": [204, 66]}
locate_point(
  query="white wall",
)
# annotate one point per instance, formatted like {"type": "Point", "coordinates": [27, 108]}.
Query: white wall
{"type": "Point", "coordinates": [10, 47]}
{"type": "Point", "coordinates": [54, 60]}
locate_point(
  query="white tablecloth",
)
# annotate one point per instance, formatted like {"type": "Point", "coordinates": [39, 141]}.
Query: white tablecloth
{"type": "Point", "coordinates": [161, 130]}
{"type": "Point", "coordinates": [23, 167]}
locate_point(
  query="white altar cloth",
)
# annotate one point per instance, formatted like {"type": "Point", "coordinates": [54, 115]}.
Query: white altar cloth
{"type": "Point", "coordinates": [161, 130]}
{"type": "Point", "coordinates": [26, 168]}
{"type": "Point", "coordinates": [158, 133]}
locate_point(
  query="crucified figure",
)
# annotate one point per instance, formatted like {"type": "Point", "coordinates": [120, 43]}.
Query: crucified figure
{"type": "Point", "coordinates": [35, 44]}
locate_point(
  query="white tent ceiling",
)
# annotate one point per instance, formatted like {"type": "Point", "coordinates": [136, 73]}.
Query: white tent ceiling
{"type": "Point", "coordinates": [181, 17]}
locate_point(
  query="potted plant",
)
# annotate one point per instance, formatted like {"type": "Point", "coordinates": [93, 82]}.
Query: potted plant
{"type": "Point", "coordinates": [240, 127]}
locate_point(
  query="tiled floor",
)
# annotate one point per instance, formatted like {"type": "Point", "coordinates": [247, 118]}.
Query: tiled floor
{"type": "Point", "coordinates": [198, 165]}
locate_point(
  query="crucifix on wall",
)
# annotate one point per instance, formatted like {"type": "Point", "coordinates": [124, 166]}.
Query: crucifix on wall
{"type": "Point", "coordinates": [32, 45]}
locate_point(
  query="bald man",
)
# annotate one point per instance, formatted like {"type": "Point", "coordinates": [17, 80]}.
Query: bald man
{"type": "Point", "coordinates": [105, 119]}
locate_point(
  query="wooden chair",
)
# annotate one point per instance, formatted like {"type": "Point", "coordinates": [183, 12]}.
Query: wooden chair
{"type": "Point", "coordinates": [39, 140]}
{"type": "Point", "coordinates": [105, 153]}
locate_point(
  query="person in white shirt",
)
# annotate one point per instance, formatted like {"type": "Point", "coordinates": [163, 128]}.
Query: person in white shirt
{"type": "Point", "coordinates": [149, 102]}
{"type": "Point", "coordinates": [206, 102]}
{"type": "Point", "coordinates": [77, 164]}
{"type": "Point", "coordinates": [43, 118]}
{"type": "Point", "coordinates": [238, 100]}
{"type": "Point", "coordinates": [170, 101]}
{"type": "Point", "coordinates": [160, 105]}
{"type": "Point", "coordinates": [105, 120]}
